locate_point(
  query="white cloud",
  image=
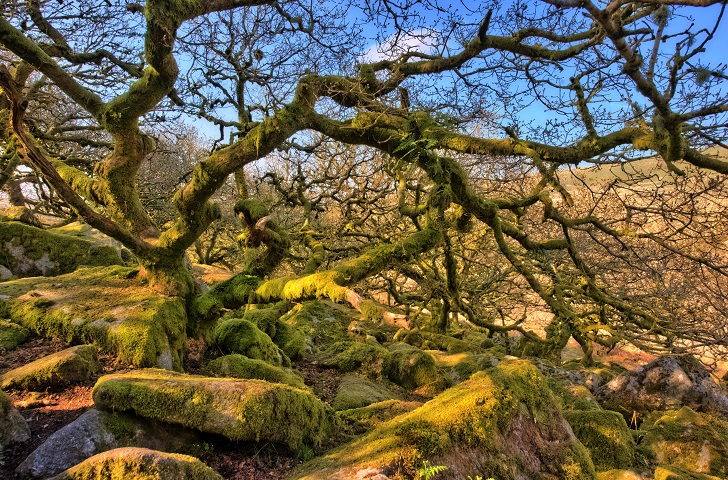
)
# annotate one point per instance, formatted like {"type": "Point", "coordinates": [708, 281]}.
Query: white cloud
{"type": "Point", "coordinates": [423, 41]}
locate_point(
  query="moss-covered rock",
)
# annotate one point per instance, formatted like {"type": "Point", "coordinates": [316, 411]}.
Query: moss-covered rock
{"type": "Point", "coordinates": [674, 473]}
{"type": "Point", "coordinates": [502, 423]}
{"type": "Point", "coordinates": [107, 306]}
{"type": "Point", "coordinates": [365, 358]}
{"type": "Point", "coordinates": [13, 427]}
{"type": "Point", "coordinates": [572, 396]}
{"type": "Point", "coordinates": [249, 410]}
{"type": "Point", "coordinates": [240, 336]}
{"type": "Point", "coordinates": [410, 367]}
{"type": "Point", "coordinates": [95, 432]}
{"type": "Point", "coordinates": [322, 322]}
{"type": "Point", "coordinates": [606, 436]}
{"type": "Point", "coordinates": [61, 369]}
{"type": "Point", "coordinates": [619, 475]}
{"type": "Point", "coordinates": [355, 391]}
{"type": "Point", "coordinates": [139, 464]}
{"type": "Point", "coordinates": [240, 366]}
{"type": "Point", "coordinates": [689, 440]}
{"type": "Point", "coordinates": [425, 340]}
{"type": "Point", "coordinates": [362, 419]}
{"type": "Point", "coordinates": [460, 366]}
{"type": "Point", "coordinates": [30, 251]}
{"type": "Point", "coordinates": [667, 383]}
{"type": "Point", "coordinates": [12, 335]}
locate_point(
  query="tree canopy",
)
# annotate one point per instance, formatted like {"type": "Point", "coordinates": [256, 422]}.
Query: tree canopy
{"type": "Point", "coordinates": [479, 161]}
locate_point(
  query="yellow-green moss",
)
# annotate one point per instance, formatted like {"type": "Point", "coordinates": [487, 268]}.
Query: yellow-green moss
{"type": "Point", "coordinates": [139, 464]}
{"type": "Point", "coordinates": [495, 424]}
{"type": "Point", "coordinates": [619, 475]}
{"type": "Point", "coordinates": [572, 397]}
{"type": "Point", "coordinates": [675, 473]}
{"type": "Point", "coordinates": [434, 341]}
{"type": "Point", "coordinates": [355, 392]}
{"type": "Point", "coordinates": [366, 358]}
{"type": "Point", "coordinates": [365, 418]}
{"type": "Point", "coordinates": [241, 336]}
{"type": "Point", "coordinates": [241, 410]}
{"type": "Point", "coordinates": [107, 306]}
{"type": "Point", "coordinates": [370, 310]}
{"type": "Point", "coordinates": [31, 251]}
{"type": "Point", "coordinates": [68, 367]}
{"type": "Point", "coordinates": [689, 440]}
{"type": "Point", "coordinates": [605, 434]}
{"type": "Point", "coordinates": [240, 366]}
{"type": "Point", "coordinates": [12, 335]}
{"type": "Point", "coordinates": [324, 323]}
{"type": "Point", "coordinates": [410, 368]}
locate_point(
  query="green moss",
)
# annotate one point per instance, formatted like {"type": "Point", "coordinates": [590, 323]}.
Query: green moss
{"type": "Point", "coordinates": [434, 341]}
{"type": "Point", "coordinates": [12, 335]}
{"type": "Point", "coordinates": [322, 322]}
{"type": "Point", "coordinates": [138, 464]}
{"type": "Point", "coordinates": [31, 251]}
{"type": "Point", "coordinates": [12, 425]}
{"type": "Point", "coordinates": [366, 358]}
{"type": "Point", "coordinates": [230, 294]}
{"type": "Point", "coordinates": [365, 418]}
{"type": "Point", "coordinates": [355, 392]}
{"type": "Point", "coordinates": [370, 310]}
{"type": "Point", "coordinates": [241, 410]}
{"type": "Point", "coordinates": [496, 423]}
{"type": "Point", "coordinates": [619, 475]}
{"type": "Point", "coordinates": [239, 366]}
{"type": "Point", "coordinates": [675, 473]}
{"type": "Point", "coordinates": [572, 397]}
{"type": "Point", "coordinates": [265, 319]}
{"type": "Point", "coordinates": [107, 306]}
{"type": "Point", "coordinates": [68, 367]}
{"type": "Point", "coordinates": [241, 336]}
{"type": "Point", "coordinates": [606, 436]}
{"type": "Point", "coordinates": [410, 368]}
{"type": "Point", "coordinates": [686, 439]}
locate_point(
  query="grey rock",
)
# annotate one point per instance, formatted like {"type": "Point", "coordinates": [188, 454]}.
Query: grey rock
{"type": "Point", "coordinates": [13, 427]}
{"type": "Point", "coordinates": [95, 432]}
{"type": "Point", "coordinates": [668, 383]}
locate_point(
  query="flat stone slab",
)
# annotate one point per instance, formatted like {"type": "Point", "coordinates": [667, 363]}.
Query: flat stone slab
{"type": "Point", "coordinates": [107, 306]}
{"type": "Point", "coordinates": [139, 464]}
{"type": "Point", "coordinates": [241, 410]}
{"type": "Point", "coordinates": [61, 369]}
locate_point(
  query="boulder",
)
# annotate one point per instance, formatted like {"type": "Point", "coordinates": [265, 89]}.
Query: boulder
{"type": "Point", "coordinates": [502, 423]}
{"type": "Point", "coordinates": [410, 367]}
{"type": "Point", "coordinates": [241, 410]}
{"type": "Point", "coordinates": [688, 440]}
{"type": "Point", "coordinates": [619, 475]}
{"type": "Point", "coordinates": [355, 392]}
{"type": "Point", "coordinates": [13, 427]}
{"type": "Point", "coordinates": [240, 336]}
{"type": "Point", "coordinates": [668, 383]}
{"type": "Point", "coordinates": [362, 419]}
{"type": "Point", "coordinates": [61, 369]}
{"type": "Point", "coordinates": [365, 358]}
{"type": "Point", "coordinates": [139, 464]}
{"type": "Point", "coordinates": [606, 436]}
{"type": "Point", "coordinates": [240, 366]}
{"type": "Point", "coordinates": [12, 335]}
{"type": "Point", "coordinates": [95, 432]}
{"type": "Point", "coordinates": [110, 307]}
{"type": "Point", "coordinates": [29, 251]}
{"type": "Point", "coordinates": [673, 473]}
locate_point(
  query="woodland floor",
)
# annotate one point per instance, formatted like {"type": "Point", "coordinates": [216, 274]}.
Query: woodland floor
{"type": "Point", "coordinates": [47, 412]}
